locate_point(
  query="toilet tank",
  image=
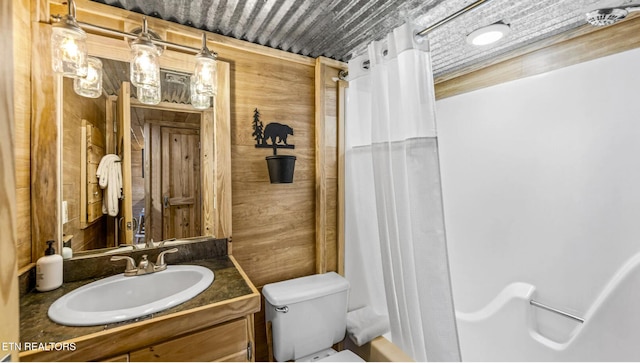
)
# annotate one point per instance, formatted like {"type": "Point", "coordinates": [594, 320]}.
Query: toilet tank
{"type": "Point", "coordinates": [307, 314]}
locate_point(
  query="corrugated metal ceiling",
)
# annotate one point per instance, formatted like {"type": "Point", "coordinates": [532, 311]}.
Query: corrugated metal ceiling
{"type": "Point", "coordinates": [339, 29]}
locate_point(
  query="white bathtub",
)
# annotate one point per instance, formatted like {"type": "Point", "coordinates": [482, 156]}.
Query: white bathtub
{"type": "Point", "coordinates": [509, 328]}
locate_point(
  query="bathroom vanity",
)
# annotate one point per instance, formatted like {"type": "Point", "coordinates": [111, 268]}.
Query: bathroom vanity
{"type": "Point", "coordinates": [216, 325]}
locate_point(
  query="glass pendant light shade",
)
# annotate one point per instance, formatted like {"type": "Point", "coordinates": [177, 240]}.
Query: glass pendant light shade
{"type": "Point", "coordinates": [149, 95]}
{"type": "Point", "coordinates": [91, 85]}
{"type": "Point", "coordinates": [69, 46]}
{"type": "Point", "coordinates": [145, 60]}
{"type": "Point", "coordinates": [145, 65]}
{"type": "Point", "coordinates": [205, 72]}
{"type": "Point", "coordinates": [199, 101]}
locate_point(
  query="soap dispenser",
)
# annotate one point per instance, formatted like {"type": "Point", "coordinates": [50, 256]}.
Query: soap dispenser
{"type": "Point", "coordinates": [67, 252]}
{"type": "Point", "coordinates": [49, 270]}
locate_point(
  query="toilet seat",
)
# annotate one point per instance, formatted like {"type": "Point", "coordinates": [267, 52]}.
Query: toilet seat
{"type": "Point", "coordinates": [330, 355]}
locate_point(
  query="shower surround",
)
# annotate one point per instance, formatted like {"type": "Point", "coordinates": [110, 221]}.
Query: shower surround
{"type": "Point", "coordinates": [542, 201]}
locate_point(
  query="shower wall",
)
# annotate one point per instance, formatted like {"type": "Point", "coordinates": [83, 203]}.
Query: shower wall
{"type": "Point", "coordinates": [541, 188]}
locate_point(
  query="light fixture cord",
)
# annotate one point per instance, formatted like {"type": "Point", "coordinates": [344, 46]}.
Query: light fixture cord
{"type": "Point", "coordinates": [204, 40]}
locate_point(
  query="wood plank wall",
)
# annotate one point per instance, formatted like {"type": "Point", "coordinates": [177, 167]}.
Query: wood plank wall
{"type": "Point", "coordinates": [22, 129]}
{"type": "Point", "coordinates": [8, 258]}
{"type": "Point", "coordinates": [273, 224]}
{"type": "Point", "coordinates": [44, 131]}
{"type": "Point", "coordinates": [77, 108]}
{"type": "Point", "coordinates": [328, 255]}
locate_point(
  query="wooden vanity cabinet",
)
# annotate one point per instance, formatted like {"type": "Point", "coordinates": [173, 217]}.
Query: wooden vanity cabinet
{"type": "Point", "coordinates": [227, 342]}
{"type": "Point", "coordinates": [220, 330]}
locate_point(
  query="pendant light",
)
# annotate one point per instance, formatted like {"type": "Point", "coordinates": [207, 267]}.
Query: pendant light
{"type": "Point", "coordinates": [91, 85]}
{"type": "Point", "coordinates": [205, 72]}
{"type": "Point", "coordinates": [149, 95]}
{"type": "Point", "coordinates": [69, 46]}
{"type": "Point", "coordinates": [145, 65]}
{"type": "Point", "coordinates": [69, 57]}
{"type": "Point", "coordinates": [199, 101]}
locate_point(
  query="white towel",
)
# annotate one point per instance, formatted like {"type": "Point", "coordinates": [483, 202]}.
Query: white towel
{"type": "Point", "coordinates": [363, 325]}
{"type": "Point", "coordinates": [109, 176]}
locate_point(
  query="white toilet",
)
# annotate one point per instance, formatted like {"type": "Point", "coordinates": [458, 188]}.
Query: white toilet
{"type": "Point", "coordinates": [308, 315]}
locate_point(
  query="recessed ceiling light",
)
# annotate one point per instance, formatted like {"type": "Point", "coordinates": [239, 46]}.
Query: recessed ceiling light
{"type": "Point", "coordinates": [488, 34]}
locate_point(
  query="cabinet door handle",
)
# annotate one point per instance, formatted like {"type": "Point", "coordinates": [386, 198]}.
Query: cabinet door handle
{"type": "Point", "coordinates": [165, 201]}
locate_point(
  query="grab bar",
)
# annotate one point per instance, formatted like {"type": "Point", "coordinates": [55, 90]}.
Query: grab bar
{"type": "Point", "coordinates": [554, 310]}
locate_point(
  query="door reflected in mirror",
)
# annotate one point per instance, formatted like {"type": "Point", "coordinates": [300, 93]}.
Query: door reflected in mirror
{"type": "Point", "coordinates": [155, 151]}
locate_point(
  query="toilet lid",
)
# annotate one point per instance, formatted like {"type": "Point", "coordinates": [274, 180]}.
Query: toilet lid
{"type": "Point", "coordinates": [342, 356]}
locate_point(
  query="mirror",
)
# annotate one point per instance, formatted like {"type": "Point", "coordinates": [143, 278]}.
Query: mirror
{"type": "Point", "coordinates": [151, 153]}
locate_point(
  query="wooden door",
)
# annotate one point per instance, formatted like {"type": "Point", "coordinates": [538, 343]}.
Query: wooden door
{"type": "Point", "coordinates": [124, 151]}
{"type": "Point", "coordinates": [180, 183]}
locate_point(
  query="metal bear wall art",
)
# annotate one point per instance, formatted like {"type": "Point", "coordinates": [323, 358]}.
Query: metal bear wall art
{"type": "Point", "coordinates": [273, 136]}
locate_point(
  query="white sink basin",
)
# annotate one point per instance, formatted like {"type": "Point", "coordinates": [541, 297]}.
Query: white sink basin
{"type": "Point", "coordinates": [119, 298]}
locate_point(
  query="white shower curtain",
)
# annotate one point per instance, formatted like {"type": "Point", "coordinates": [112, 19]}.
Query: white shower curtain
{"type": "Point", "coordinates": [395, 238]}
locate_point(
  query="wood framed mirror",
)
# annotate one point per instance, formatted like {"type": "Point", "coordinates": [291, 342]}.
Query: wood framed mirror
{"type": "Point", "coordinates": [207, 204]}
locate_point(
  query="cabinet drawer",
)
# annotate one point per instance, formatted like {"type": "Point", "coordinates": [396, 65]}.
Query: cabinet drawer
{"type": "Point", "coordinates": [210, 344]}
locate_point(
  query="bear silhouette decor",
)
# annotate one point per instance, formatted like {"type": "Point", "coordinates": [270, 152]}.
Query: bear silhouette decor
{"type": "Point", "coordinates": [273, 136]}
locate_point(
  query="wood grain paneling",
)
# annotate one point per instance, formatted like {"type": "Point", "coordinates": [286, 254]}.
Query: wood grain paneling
{"type": "Point", "coordinates": [321, 177]}
{"type": "Point", "coordinates": [23, 226]}
{"type": "Point", "coordinates": [208, 345]}
{"type": "Point", "coordinates": [77, 112]}
{"type": "Point", "coordinates": [327, 92]}
{"type": "Point", "coordinates": [273, 224]}
{"type": "Point", "coordinates": [124, 152]}
{"type": "Point", "coordinates": [379, 350]}
{"type": "Point", "coordinates": [44, 145]}
{"type": "Point", "coordinates": [9, 331]}
{"type": "Point", "coordinates": [221, 165]}
{"type": "Point", "coordinates": [340, 229]}
{"type": "Point", "coordinates": [22, 127]}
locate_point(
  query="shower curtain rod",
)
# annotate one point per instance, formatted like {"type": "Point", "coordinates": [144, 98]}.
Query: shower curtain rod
{"type": "Point", "coordinates": [343, 74]}
{"type": "Point", "coordinates": [465, 10]}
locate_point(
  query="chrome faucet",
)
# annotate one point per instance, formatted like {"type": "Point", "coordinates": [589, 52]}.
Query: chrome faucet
{"type": "Point", "coordinates": [145, 266]}
{"type": "Point", "coordinates": [150, 244]}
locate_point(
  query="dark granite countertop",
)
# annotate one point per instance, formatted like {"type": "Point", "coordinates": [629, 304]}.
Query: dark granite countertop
{"type": "Point", "coordinates": [35, 325]}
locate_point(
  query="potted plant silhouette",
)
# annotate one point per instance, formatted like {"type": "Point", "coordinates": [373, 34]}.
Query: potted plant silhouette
{"type": "Point", "coordinates": [280, 167]}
